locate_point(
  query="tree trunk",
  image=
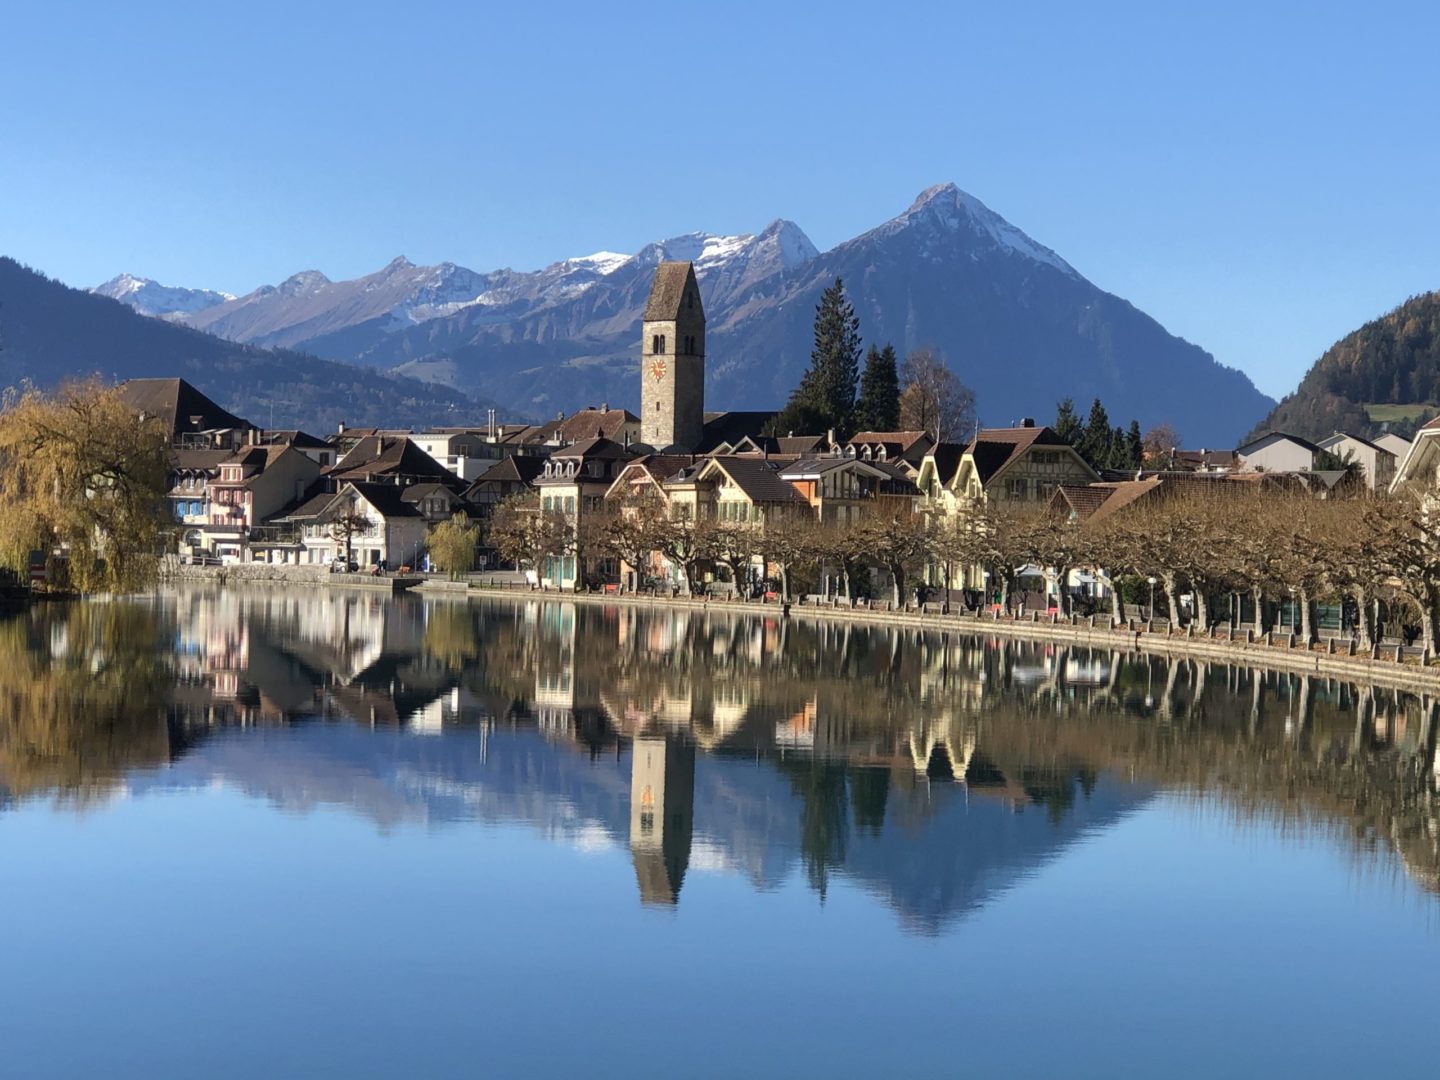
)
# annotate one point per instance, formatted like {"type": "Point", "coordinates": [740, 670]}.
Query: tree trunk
{"type": "Point", "coordinates": [897, 581]}
{"type": "Point", "coordinates": [1202, 609]}
{"type": "Point", "coordinates": [1257, 595]}
{"type": "Point", "coordinates": [1307, 626]}
{"type": "Point", "coordinates": [1428, 615]}
{"type": "Point", "coordinates": [784, 584]}
{"type": "Point", "coordinates": [1362, 617]}
{"type": "Point", "coordinates": [1171, 599]}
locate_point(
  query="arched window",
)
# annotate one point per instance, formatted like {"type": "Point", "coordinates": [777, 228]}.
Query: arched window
{"type": "Point", "coordinates": [657, 344]}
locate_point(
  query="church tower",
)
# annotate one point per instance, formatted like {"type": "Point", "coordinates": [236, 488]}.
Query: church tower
{"type": "Point", "coordinates": [672, 361]}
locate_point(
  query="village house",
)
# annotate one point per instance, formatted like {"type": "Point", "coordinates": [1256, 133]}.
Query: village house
{"type": "Point", "coordinates": [1420, 465]}
{"type": "Point", "coordinates": [1277, 451]}
{"type": "Point", "coordinates": [573, 482]}
{"type": "Point", "coordinates": [255, 484]}
{"type": "Point", "coordinates": [1378, 462]}
{"type": "Point", "coordinates": [1017, 465]}
{"type": "Point", "coordinates": [375, 521]}
{"type": "Point", "coordinates": [839, 489]}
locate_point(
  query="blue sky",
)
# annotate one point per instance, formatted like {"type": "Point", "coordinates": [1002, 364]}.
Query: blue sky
{"type": "Point", "coordinates": [1261, 178]}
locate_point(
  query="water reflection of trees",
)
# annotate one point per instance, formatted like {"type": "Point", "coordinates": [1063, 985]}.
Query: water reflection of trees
{"type": "Point", "coordinates": [83, 697]}
{"type": "Point", "coordinates": [856, 719]}
{"type": "Point", "coordinates": [847, 712]}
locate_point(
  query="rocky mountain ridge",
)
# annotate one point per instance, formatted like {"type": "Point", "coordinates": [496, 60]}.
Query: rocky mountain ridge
{"type": "Point", "coordinates": [1011, 317]}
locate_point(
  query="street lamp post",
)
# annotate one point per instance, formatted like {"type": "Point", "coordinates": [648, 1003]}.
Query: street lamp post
{"type": "Point", "coordinates": [1151, 580]}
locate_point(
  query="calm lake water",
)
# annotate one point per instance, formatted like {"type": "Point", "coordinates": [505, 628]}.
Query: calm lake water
{"type": "Point", "coordinates": [268, 833]}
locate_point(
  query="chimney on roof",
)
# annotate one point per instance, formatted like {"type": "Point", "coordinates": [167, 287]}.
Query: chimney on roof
{"type": "Point", "coordinates": [1027, 421]}
{"type": "Point", "coordinates": [604, 407]}
{"type": "Point", "coordinates": [341, 428]}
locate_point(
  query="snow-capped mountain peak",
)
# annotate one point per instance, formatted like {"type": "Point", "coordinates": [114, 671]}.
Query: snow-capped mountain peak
{"type": "Point", "coordinates": [151, 298]}
{"type": "Point", "coordinates": [946, 208]}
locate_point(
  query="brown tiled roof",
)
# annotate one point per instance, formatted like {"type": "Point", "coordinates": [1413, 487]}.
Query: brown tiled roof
{"type": "Point", "coordinates": [759, 480]}
{"type": "Point", "coordinates": [386, 455]}
{"type": "Point", "coordinates": [994, 448]}
{"type": "Point", "coordinates": [178, 405]}
{"type": "Point", "coordinates": [199, 459]}
{"type": "Point", "coordinates": [595, 423]}
{"type": "Point", "coordinates": [1084, 499]}
{"type": "Point", "coordinates": [514, 469]}
{"type": "Point", "coordinates": [896, 443]}
{"type": "Point", "coordinates": [1123, 493]}
{"type": "Point", "coordinates": [667, 290]}
{"type": "Point", "coordinates": [799, 444]}
{"type": "Point", "coordinates": [296, 438]}
{"type": "Point", "coordinates": [591, 449]}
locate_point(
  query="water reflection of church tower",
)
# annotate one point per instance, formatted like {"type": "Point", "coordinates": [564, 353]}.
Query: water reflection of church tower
{"type": "Point", "coordinates": [662, 813]}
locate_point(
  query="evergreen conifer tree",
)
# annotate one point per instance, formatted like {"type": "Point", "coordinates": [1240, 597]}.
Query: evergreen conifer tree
{"type": "Point", "coordinates": [1135, 443]}
{"type": "Point", "coordinates": [1067, 422]}
{"type": "Point", "coordinates": [1094, 442]}
{"type": "Point", "coordinates": [826, 394]}
{"type": "Point", "coordinates": [878, 407]}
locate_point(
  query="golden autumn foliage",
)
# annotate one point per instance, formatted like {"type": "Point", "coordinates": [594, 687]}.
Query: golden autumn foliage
{"type": "Point", "coordinates": [83, 478]}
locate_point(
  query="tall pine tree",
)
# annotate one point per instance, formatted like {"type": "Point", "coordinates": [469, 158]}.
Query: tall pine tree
{"type": "Point", "coordinates": [1067, 422]}
{"type": "Point", "coordinates": [1094, 443]}
{"type": "Point", "coordinates": [825, 398]}
{"type": "Point", "coordinates": [878, 407]}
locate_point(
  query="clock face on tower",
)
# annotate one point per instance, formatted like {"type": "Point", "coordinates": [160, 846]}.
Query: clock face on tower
{"type": "Point", "coordinates": [657, 370]}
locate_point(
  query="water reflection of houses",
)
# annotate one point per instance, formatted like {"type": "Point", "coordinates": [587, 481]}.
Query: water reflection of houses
{"type": "Point", "coordinates": [931, 769]}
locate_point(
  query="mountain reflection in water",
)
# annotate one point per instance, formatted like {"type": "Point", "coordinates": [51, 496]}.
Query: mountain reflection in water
{"type": "Point", "coordinates": [933, 769]}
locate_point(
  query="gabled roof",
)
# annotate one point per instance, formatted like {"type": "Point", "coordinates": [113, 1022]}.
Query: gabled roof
{"type": "Point", "coordinates": [414, 493]}
{"type": "Point", "coordinates": [799, 444]}
{"type": "Point", "coordinates": [387, 455]}
{"type": "Point", "coordinates": [896, 443]}
{"type": "Point", "coordinates": [812, 467]}
{"type": "Point", "coordinates": [1340, 436]}
{"type": "Point", "coordinates": [301, 440]}
{"type": "Point", "coordinates": [309, 509]}
{"type": "Point", "coordinates": [1103, 500]}
{"type": "Point", "coordinates": [514, 469]}
{"type": "Point", "coordinates": [947, 457]}
{"type": "Point", "coordinates": [758, 479]}
{"type": "Point", "coordinates": [668, 290]}
{"type": "Point", "coordinates": [993, 449]}
{"type": "Point", "coordinates": [592, 449]}
{"type": "Point", "coordinates": [731, 428]}
{"type": "Point", "coordinates": [387, 499]}
{"type": "Point", "coordinates": [1296, 439]}
{"type": "Point", "coordinates": [656, 467]}
{"type": "Point", "coordinates": [178, 405]}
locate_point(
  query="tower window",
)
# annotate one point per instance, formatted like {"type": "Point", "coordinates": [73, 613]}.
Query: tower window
{"type": "Point", "coordinates": [657, 344]}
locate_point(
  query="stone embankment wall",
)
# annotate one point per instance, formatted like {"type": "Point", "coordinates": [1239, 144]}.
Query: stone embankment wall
{"type": "Point", "coordinates": [247, 572]}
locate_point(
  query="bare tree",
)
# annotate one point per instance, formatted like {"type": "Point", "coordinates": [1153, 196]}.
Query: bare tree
{"type": "Point", "coordinates": [933, 399]}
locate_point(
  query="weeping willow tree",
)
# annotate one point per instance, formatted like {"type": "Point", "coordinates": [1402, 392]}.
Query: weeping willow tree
{"type": "Point", "coordinates": [83, 478]}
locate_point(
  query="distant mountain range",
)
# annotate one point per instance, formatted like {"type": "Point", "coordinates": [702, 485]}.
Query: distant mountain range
{"type": "Point", "coordinates": [50, 332]}
{"type": "Point", "coordinates": [1385, 374]}
{"type": "Point", "coordinates": [1011, 317]}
